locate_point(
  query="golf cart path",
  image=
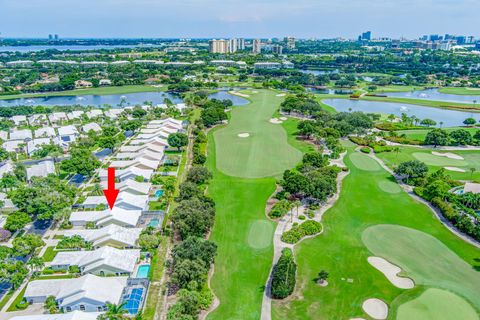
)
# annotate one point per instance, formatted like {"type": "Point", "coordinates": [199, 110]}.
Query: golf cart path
{"type": "Point", "coordinates": [284, 224]}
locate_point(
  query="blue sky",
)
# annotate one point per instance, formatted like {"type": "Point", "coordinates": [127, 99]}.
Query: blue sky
{"type": "Point", "coordinates": [237, 18]}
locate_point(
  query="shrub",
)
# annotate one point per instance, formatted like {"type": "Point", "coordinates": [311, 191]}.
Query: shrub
{"type": "Point", "coordinates": [22, 304]}
{"type": "Point", "coordinates": [365, 149]}
{"type": "Point", "coordinates": [279, 209]}
{"type": "Point", "coordinates": [283, 275]}
{"type": "Point", "coordinates": [297, 232]}
{"type": "Point", "coordinates": [301, 217]}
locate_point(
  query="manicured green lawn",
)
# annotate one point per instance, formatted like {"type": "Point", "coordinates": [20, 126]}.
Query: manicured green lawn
{"type": "Point", "coordinates": [471, 160]}
{"type": "Point", "coordinates": [340, 250]}
{"type": "Point", "coordinates": [95, 91]}
{"type": "Point", "coordinates": [394, 88]}
{"type": "Point", "coordinates": [420, 134]}
{"type": "Point", "coordinates": [462, 91]}
{"type": "Point", "coordinates": [265, 152]}
{"type": "Point", "coordinates": [244, 239]}
{"type": "Point", "coordinates": [424, 259]}
{"type": "Point", "coordinates": [426, 103]}
{"type": "Point", "coordinates": [436, 304]}
{"type": "Point", "coordinates": [242, 232]}
{"type": "Point", "coordinates": [49, 254]}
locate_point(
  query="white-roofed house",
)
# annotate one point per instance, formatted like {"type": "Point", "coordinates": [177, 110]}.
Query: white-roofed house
{"type": "Point", "coordinates": [57, 117]}
{"type": "Point", "coordinates": [6, 167]}
{"type": "Point", "coordinates": [141, 162]}
{"type": "Point", "coordinates": [45, 132]}
{"type": "Point", "coordinates": [91, 126]}
{"type": "Point", "coordinates": [22, 134]}
{"type": "Point", "coordinates": [139, 148]}
{"type": "Point", "coordinates": [131, 186]}
{"type": "Point", "coordinates": [41, 169]}
{"type": "Point", "coordinates": [113, 113]}
{"type": "Point", "coordinates": [94, 113]}
{"type": "Point", "coordinates": [154, 140]}
{"type": "Point", "coordinates": [76, 114]}
{"type": "Point", "coordinates": [35, 144]}
{"type": "Point", "coordinates": [37, 119]}
{"type": "Point", "coordinates": [14, 145]}
{"type": "Point", "coordinates": [88, 293]}
{"type": "Point", "coordinates": [19, 120]}
{"type": "Point", "coordinates": [105, 261]}
{"type": "Point", "coordinates": [7, 203]}
{"type": "Point", "coordinates": [3, 135]}
{"type": "Point", "coordinates": [68, 134]}
{"type": "Point", "coordinates": [111, 235]}
{"type": "Point", "coordinates": [125, 200]}
{"type": "Point", "coordinates": [75, 315]}
{"type": "Point", "coordinates": [117, 216]}
{"type": "Point", "coordinates": [128, 173]}
{"type": "Point", "coordinates": [471, 187]}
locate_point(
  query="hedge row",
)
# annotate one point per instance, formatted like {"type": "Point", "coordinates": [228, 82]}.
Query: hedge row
{"type": "Point", "coordinates": [283, 275]}
{"type": "Point", "coordinates": [297, 232]}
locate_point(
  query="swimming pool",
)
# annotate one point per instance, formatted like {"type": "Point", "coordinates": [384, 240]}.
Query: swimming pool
{"type": "Point", "coordinates": [154, 223]}
{"type": "Point", "coordinates": [158, 193]}
{"type": "Point", "coordinates": [134, 300]}
{"type": "Point", "coordinates": [143, 271]}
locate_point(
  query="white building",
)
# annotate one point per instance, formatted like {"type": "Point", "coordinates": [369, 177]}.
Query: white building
{"type": "Point", "coordinates": [56, 117]}
{"type": "Point", "coordinates": [68, 134]}
{"type": "Point", "coordinates": [117, 216]}
{"type": "Point", "coordinates": [77, 114]}
{"type": "Point", "coordinates": [23, 134]}
{"type": "Point", "coordinates": [105, 261]}
{"type": "Point", "coordinates": [36, 144]}
{"type": "Point", "coordinates": [45, 132]}
{"type": "Point", "coordinates": [41, 169]}
{"type": "Point", "coordinates": [112, 235]}
{"type": "Point", "coordinates": [91, 126]}
{"type": "Point", "coordinates": [88, 293]}
{"type": "Point", "coordinates": [19, 120]}
{"type": "Point", "coordinates": [75, 315]}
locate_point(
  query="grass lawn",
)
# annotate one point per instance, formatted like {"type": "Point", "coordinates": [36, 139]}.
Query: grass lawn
{"type": "Point", "coordinates": [266, 151]}
{"type": "Point", "coordinates": [242, 232]}
{"type": "Point", "coordinates": [363, 203]}
{"type": "Point", "coordinates": [49, 254]}
{"type": "Point", "coordinates": [420, 134]}
{"type": "Point", "coordinates": [471, 160]}
{"type": "Point", "coordinates": [427, 103]}
{"type": "Point", "coordinates": [156, 271]}
{"type": "Point", "coordinates": [394, 88]}
{"type": "Point", "coordinates": [18, 299]}
{"type": "Point", "coordinates": [436, 304]}
{"type": "Point", "coordinates": [90, 91]}
{"type": "Point", "coordinates": [461, 91]}
{"type": "Point", "coordinates": [424, 259]}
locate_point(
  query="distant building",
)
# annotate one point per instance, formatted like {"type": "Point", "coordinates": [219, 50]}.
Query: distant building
{"type": "Point", "coordinates": [477, 45]}
{"type": "Point", "coordinates": [278, 49]}
{"type": "Point", "coordinates": [218, 46]}
{"type": "Point", "coordinates": [241, 44]}
{"type": "Point", "coordinates": [257, 46]}
{"type": "Point", "coordinates": [366, 36]}
{"type": "Point", "coordinates": [232, 45]}
{"type": "Point", "coordinates": [267, 65]}
{"type": "Point", "coordinates": [290, 42]}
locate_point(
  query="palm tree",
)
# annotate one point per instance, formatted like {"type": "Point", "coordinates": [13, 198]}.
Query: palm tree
{"type": "Point", "coordinates": [297, 204]}
{"type": "Point", "coordinates": [397, 151]}
{"type": "Point", "coordinates": [35, 263]}
{"type": "Point", "coordinates": [114, 312]}
{"type": "Point", "coordinates": [441, 124]}
{"type": "Point", "coordinates": [472, 171]}
{"type": "Point", "coordinates": [51, 305]}
{"type": "Point", "coordinates": [322, 276]}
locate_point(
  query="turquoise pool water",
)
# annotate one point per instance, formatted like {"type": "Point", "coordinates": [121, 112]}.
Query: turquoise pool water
{"type": "Point", "coordinates": [159, 193]}
{"type": "Point", "coordinates": [154, 223]}
{"type": "Point", "coordinates": [143, 271]}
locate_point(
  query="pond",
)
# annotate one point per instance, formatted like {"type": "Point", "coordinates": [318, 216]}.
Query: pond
{"type": "Point", "coordinates": [434, 94]}
{"type": "Point", "coordinates": [450, 118]}
{"type": "Point", "coordinates": [318, 72]}
{"type": "Point", "coordinates": [114, 100]}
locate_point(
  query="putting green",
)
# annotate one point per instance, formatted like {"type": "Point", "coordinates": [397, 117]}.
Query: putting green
{"type": "Point", "coordinates": [436, 304]}
{"type": "Point", "coordinates": [260, 234]}
{"type": "Point", "coordinates": [389, 186]}
{"type": "Point", "coordinates": [364, 162]}
{"type": "Point", "coordinates": [433, 160]}
{"type": "Point", "coordinates": [424, 259]}
{"type": "Point", "coordinates": [266, 152]}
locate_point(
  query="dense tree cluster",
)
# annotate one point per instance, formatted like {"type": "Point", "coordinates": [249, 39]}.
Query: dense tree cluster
{"type": "Point", "coordinates": [213, 112]}
{"type": "Point", "coordinates": [43, 198]}
{"type": "Point", "coordinates": [283, 275]}
{"type": "Point", "coordinates": [440, 137]}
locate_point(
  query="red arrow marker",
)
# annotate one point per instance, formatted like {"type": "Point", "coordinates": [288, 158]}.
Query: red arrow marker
{"type": "Point", "coordinates": [111, 193]}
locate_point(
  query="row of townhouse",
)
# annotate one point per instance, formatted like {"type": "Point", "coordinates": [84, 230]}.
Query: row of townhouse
{"type": "Point", "coordinates": [60, 117]}
{"type": "Point", "coordinates": [32, 140]}
{"type": "Point", "coordinates": [110, 271]}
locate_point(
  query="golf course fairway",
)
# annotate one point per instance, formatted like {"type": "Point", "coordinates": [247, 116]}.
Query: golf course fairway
{"type": "Point", "coordinates": [243, 180]}
{"type": "Point", "coordinates": [369, 209]}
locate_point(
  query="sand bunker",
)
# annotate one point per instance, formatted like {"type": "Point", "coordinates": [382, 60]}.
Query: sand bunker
{"type": "Point", "coordinates": [243, 135]}
{"type": "Point", "coordinates": [375, 308]}
{"type": "Point", "coordinates": [276, 121]}
{"type": "Point", "coordinates": [283, 118]}
{"type": "Point", "coordinates": [390, 271]}
{"type": "Point", "coordinates": [448, 155]}
{"type": "Point", "coordinates": [323, 283]}
{"type": "Point", "coordinates": [281, 95]}
{"type": "Point", "coordinates": [239, 94]}
{"type": "Point", "coordinates": [454, 169]}
{"type": "Point", "coordinates": [254, 91]}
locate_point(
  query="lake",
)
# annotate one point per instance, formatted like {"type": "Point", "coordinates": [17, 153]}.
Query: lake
{"type": "Point", "coordinates": [318, 72]}
{"type": "Point", "coordinates": [434, 94]}
{"type": "Point", "coordinates": [450, 118]}
{"type": "Point", "coordinates": [114, 100]}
